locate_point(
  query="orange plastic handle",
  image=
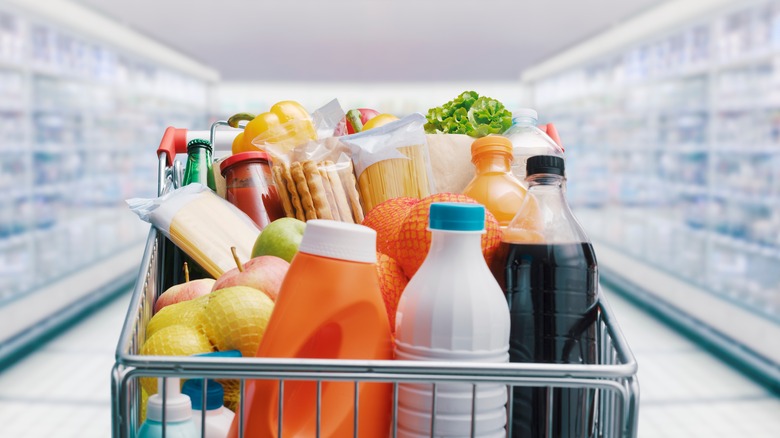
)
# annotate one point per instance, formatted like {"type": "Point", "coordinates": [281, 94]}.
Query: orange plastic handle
{"type": "Point", "coordinates": [550, 130]}
{"type": "Point", "coordinates": [174, 141]}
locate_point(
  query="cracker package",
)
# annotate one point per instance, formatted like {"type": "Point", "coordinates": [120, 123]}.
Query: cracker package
{"type": "Point", "coordinates": [391, 161]}
{"type": "Point", "coordinates": [202, 224]}
{"type": "Point", "coordinates": [317, 181]}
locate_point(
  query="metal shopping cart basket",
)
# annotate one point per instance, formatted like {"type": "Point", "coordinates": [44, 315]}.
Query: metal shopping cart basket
{"type": "Point", "coordinates": [613, 381]}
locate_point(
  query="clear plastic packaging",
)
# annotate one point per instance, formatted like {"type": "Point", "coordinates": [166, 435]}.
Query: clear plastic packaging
{"type": "Point", "coordinates": [316, 180]}
{"type": "Point", "coordinates": [202, 224]}
{"type": "Point", "coordinates": [392, 161]}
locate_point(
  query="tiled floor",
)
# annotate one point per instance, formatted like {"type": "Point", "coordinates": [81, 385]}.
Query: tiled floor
{"type": "Point", "coordinates": [687, 392]}
{"type": "Point", "coordinates": [63, 389]}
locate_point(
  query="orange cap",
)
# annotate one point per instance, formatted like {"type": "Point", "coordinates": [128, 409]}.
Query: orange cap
{"type": "Point", "coordinates": [491, 143]}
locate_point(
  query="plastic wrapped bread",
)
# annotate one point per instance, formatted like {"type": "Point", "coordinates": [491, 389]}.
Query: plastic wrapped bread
{"type": "Point", "coordinates": [202, 224]}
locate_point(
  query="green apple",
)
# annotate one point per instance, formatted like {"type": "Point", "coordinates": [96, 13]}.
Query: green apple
{"type": "Point", "coordinates": [280, 238]}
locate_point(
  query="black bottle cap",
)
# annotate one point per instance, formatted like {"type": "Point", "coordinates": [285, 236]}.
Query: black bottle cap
{"type": "Point", "coordinates": [544, 164]}
{"type": "Point", "coordinates": [198, 143]}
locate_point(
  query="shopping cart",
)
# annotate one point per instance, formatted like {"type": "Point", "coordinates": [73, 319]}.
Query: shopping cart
{"type": "Point", "coordinates": [613, 381]}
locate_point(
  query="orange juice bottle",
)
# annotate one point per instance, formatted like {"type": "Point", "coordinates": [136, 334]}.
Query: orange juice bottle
{"type": "Point", "coordinates": [329, 307]}
{"type": "Point", "coordinates": [494, 186]}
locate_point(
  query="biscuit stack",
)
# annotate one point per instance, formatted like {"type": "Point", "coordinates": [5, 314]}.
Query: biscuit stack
{"type": "Point", "coordinates": [318, 190]}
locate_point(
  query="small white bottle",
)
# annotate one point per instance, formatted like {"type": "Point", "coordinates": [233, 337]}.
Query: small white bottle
{"type": "Point", "coordinates": [528, 140]}
{"type": "Point", "coordinates": [178, 413]}
{"type": "Point", "coordinates": [218, 417]}
{"type": "Point", "coordinates": [453, 310]}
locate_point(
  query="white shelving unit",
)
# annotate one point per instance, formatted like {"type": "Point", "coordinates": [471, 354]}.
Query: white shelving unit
{"type": "Point", "coordinates": [80, 119]}
{"type": "Point", "coordinates": [673, 149]}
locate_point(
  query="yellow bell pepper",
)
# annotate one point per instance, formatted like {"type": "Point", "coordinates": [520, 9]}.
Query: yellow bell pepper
{"type": "Point", "coordinates": [286, 124]}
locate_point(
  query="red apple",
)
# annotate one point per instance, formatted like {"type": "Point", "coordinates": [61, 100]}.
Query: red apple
{"type": "Point", "coordinates": [263, 272]}
{"type": "Point", "coordinates": [346, 126]}
{"type": "Point", "coordinates": [184, 292]}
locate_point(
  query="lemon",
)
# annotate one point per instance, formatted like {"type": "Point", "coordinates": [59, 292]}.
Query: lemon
{"type": "Point", "coordinates": [188, 313]}
{"type": "Point", "coordinates": [144, 401]}
{"type": "Point", "coordinates": [174, 340]}
{"type": "Point", "coordinates": [235, 318]}
{"type": "Point", "coordinates": [380, 120]}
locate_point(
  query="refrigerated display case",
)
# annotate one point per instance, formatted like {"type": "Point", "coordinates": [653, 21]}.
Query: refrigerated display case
{"type": "Point", "coordinates": [77, 116]}
{"type": "Point", "coordinates": [673, 155]}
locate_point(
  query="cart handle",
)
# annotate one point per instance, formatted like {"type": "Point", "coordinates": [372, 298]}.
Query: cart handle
{"type": "Point", "coordinates": [174, 141]}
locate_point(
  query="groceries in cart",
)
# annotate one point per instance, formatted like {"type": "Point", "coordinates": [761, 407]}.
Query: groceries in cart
{"type": "Point", "coordinates": [344, 246]}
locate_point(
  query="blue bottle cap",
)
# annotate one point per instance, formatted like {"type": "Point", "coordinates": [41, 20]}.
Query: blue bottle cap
{"type": "Point", "coordinates": [215, 395]}
{"type": "Point", "coordinates": [226, 353]}
{"type": "Point", "coordinates": [457, 216]}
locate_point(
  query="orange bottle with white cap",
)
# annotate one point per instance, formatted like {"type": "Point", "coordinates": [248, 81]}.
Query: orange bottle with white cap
{"type": "Point", "coordinates": [329, 307]}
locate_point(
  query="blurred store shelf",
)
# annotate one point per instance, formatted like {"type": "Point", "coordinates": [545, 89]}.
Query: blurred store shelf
{"type": "Point", "coordinates": [673, 154]}
{"type": "Point", "coordinates": [80, 118]}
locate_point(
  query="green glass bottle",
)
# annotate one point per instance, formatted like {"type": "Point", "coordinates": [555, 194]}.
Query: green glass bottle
{"type": "Point", "coordinates": [199, 161]}
{"type": "Point", "coordinates": [197, 170]}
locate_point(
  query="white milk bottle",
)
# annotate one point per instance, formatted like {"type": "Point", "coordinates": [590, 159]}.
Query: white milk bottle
{"type": "Point", "coordinates": [453, 310]}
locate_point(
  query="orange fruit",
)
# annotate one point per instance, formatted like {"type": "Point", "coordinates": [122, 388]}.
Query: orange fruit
{"type": "Point", "coordinates": [412, 242]}
{"type": "Point", "coordinates": [392, 282]}
{"type": "Point", "coordinates": [386, 217]}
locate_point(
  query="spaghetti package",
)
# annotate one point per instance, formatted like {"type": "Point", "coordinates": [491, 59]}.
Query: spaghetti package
{"type": "Point", "coordinates": [317, 181]}
{"type": "Point", "coordinates": [202, 224]}
{"type": "Point", "coordinates": [391, 161]}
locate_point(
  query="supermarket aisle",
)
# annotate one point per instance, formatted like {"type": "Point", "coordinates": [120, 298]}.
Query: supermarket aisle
{"type": "Point", "coordinates": [64, 388]}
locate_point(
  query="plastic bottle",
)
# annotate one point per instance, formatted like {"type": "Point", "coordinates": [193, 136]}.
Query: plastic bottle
{"type": "Point", "coordinates": [248, 186]}
{"type": "Point", "coordinates": [551, 283]}
{"type": "Point", "coordinates": [218, 418]}
{"type": "Point", "coordinates": [178, 413]}
{"type": "Point", "coordinates": [528, 140]}
{"type": "Point", "coordinates": [329, 307]}
{"type": "Point", "coordinates": [199, 164]}
{"type": "Point", "coordinates": [453, 310]}
{"type": "Point", "coordinates": [494, 186]}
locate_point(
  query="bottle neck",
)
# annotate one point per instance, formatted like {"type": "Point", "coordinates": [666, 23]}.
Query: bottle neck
{"type": "Point", "coordinates": [198, 168]}
{"type": "Point", "coordinates": [492, 162]}
{"type": "Point", "coordinates": [525, 121]}
{"type": "Point", "coordinates": [199, 151]}
{"type": "Point", "coordinates": [455, 246]}
{"type": "Point", "coordinates": [545, 180]}
{"type": "Point", "coordinates": [549, 189]}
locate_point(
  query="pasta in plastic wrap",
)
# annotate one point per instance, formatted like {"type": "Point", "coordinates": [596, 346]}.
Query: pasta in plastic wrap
{"type": "Point", "coordinates": [202, 224]}
{"type": "Point", "coordinates": [391, 161]}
